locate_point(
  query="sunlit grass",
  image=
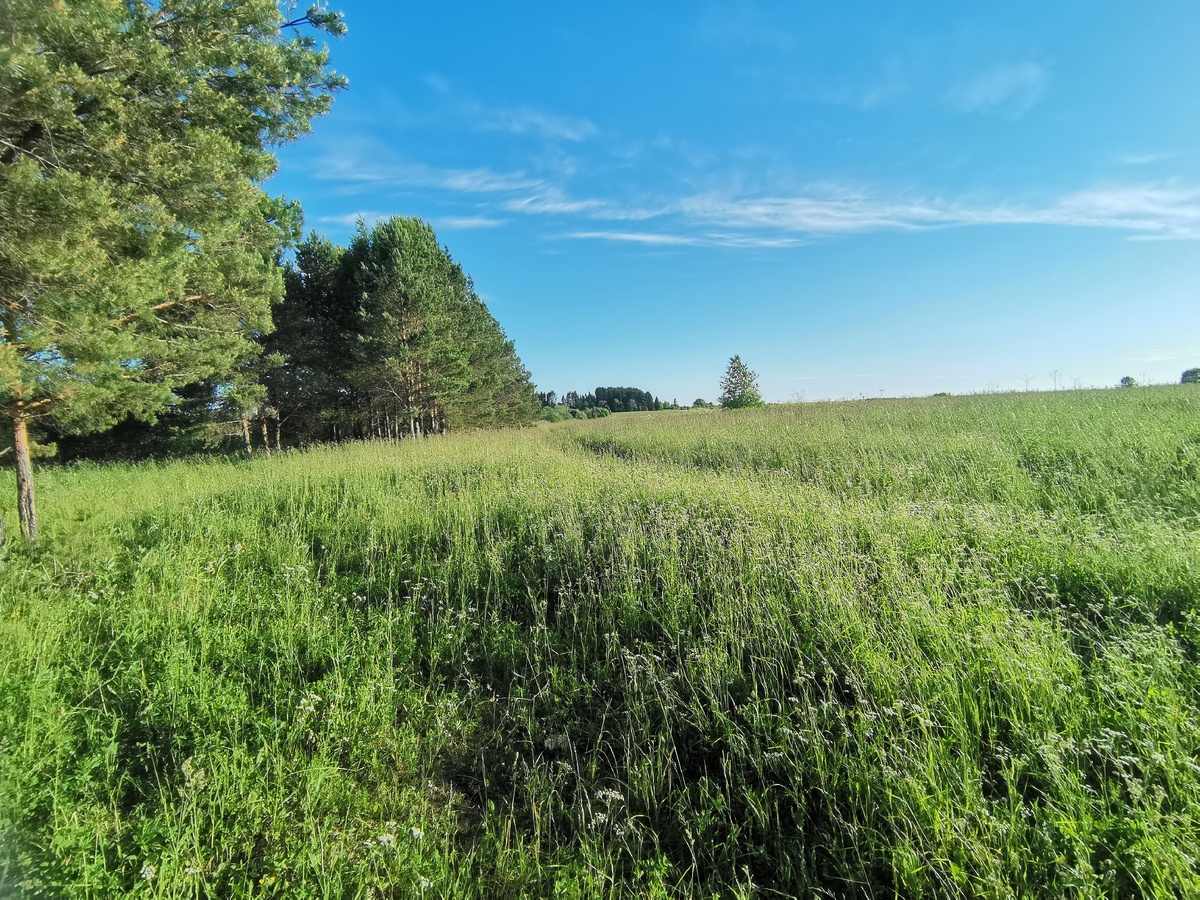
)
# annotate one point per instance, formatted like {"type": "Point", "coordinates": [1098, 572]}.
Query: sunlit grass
{"type": "Point", "coordinates": [929, 647]}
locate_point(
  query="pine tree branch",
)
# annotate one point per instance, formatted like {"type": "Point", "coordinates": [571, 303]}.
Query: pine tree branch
{"type": "Point", "coordinates": [158, 307]}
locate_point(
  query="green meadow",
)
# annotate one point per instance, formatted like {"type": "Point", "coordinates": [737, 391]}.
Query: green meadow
{"type": "Point", "coordinates": [940, 647]}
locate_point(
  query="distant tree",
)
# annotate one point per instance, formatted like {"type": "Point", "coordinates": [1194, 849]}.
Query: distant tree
{"type": "Point", "coordinates": [614, 399]}
{"type": "Point", "coordinates": [739, 387]}
{"type": "Point", "coordinates": [701, 403]}
{"type": "Point", "coordinates": [1191, 376]}
{"type": "Point", "coordinates": [1128, 381]}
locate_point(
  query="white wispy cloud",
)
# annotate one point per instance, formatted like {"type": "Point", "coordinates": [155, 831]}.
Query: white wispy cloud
{"type": "Point", "coordinates": [837, 213]}
{"type": "Point", "coordinates": [1145, 209]}
{"type": "Point", "coordinates": [370, 217]}
{"type": "Point", "coordinates": [521, 120]}
{"type": "Point", "coordinates": [738, 215]}
{"type": "Point", "coordinates": [553, 200]}
{"type": "Point", "coordinates": [752, 241]}
{"type": "Point", "coordinates": [369, 165]}
{"type": "Point", "coordinates": [639, 237]}
{"type": "Point", "coordinates": [707, 239]}
{"type": "Point", "coordinates": [353, 218]}
{"type": "Point", "coordinates": [1009, 90]}
{"type": "Point", "coordinates": [1142, 210]}
{"type": "Point", "coordinates": [1153, 209]}
{"type": "Point", "coordinates": [464, 222]}
{"type": "Point", "coordinates": [526, 121]}
{"type": "Point", "coordinates": [481, 180]}
{"type": "Point", "coordinates": [1144, 159]}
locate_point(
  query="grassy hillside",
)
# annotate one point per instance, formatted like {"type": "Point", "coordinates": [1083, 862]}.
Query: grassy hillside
{"type": "Point", "coordinates": [931, 647]}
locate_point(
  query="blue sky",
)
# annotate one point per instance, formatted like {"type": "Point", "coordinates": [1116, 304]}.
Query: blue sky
{"type": "Point", "coordinates": [859, 199]}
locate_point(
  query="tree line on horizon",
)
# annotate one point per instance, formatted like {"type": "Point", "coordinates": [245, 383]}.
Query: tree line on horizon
{"type": "Point", "coordinates": [739, 390]}
{"type": "Point", "coordinates": [602, 401]}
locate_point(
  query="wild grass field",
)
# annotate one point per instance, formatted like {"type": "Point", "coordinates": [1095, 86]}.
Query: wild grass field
{"type": "Point", "coordinates": [941, 647]}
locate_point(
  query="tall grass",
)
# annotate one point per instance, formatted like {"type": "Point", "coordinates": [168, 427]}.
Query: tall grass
{"type": "Point", "coordinates": [937, 647]}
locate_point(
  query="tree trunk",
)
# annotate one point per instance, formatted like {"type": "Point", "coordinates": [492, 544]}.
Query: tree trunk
{"type": "Point", "coordinates": [246, 435]}
{"type": "Point", "coordinates": [26, 506]}
{"type": "Point", "coordinates": [266, 438]}
{"type": "Point", "coordinates": [278, 439]}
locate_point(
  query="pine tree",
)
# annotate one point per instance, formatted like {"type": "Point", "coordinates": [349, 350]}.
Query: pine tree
{"type": "Point", "coordinates": [315, 332]}
{"type": "Point", "coordinates": [388, 338]}
{"type": "Point", "coordinates": [137, 246]}
{"type": "Point", "coordinates": [739, 387]}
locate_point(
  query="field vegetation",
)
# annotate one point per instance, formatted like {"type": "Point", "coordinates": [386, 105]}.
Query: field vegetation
{"type": "Point", "coordinates": [940, 647]}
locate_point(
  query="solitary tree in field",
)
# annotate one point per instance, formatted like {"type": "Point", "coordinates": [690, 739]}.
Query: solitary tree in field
{"type": "Point", "coordinates": [1128, 381]}
{"type": "Point", "coordinates": [138, 250]}
{"type": "Point", "coordinates": [739, 387]}
{"type": "Point", "coordinates": [1191, 376]}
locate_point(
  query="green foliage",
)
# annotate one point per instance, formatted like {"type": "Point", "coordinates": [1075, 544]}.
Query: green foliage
{"type": "Point", "coordinates": [122, 274]}
{"type": "Point", "coordinates": [137, 245]}
{"type": "Point", "coordinates": [1190, 376]}
{"type": "Point", "coordinates": [917, 648]}
{"type": "Point", "coordinates": [613, 399]}
{"type": "Point", "coordinates": [1128, 381]}
{"type": "Point", "coordinates": [315, 330]}
{"type": "Point", "coordinates": [389, 338]}
{"type": "Point", "coordinates": [739, 387]}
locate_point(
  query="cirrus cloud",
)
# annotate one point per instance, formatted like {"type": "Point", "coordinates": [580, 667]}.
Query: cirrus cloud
{"type": "Point", "coordinates": [1008, 90]}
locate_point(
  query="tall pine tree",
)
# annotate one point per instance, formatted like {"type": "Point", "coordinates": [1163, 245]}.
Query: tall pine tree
{"type": "Point", "coordinates": [137, 246]}
{"type": "Point", "coordinates": [388, 338]}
